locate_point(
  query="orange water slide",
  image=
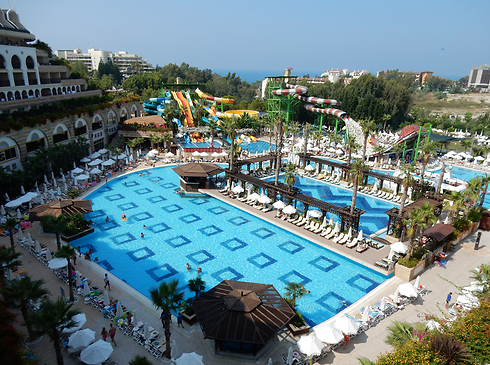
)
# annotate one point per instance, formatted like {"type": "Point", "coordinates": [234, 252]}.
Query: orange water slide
{"type": "Point", "coordinates": [187, 108]}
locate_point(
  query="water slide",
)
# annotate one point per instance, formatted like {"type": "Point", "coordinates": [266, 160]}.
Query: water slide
{"type": "Point", "coordinates": [156, 106]}
{"type": "Point", "coordinates": [176, 121]}
{"type": "Point", "coordinates": [215, 99]}
{"type": "Point", "coordinates": [189, 100]}
{"type": "Point", "coordinates": [183, 104]}
{"type": "Point", "coordinates": [210, 111]}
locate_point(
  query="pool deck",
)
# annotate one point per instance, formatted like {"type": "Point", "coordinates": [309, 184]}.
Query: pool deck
{"type": "Point", "coordinates": [370, 343]}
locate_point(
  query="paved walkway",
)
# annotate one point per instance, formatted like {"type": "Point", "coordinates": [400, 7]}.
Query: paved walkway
{"type": "Point", "coordinates": [439, 280]}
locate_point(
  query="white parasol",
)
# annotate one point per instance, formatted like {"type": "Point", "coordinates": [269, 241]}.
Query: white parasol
{"type": "Point", "coordinates": [96, 353]}
{"type": "Point", "coordinates": [174, 350]}
{"type": "Point", "coordinates": [347, 325]}
{"type": "Point", "coordinates": [109, 162]}
{"type": "Point", "coordinates": [399, 247]}
{"type": "Point", "coordinates": [106, 300]}
{"type": "Point", "coordinates": [329, 334]}
{"type": "Point", "coordinates": [81, 339]}
{"type": "Point", "coordinates": [314, 213]}
{"type": "Point", "coordinates": [79, 319]}
{"type": "Point", "coordinates": [37, 247]}
{"type": "Point", "coordinates": [360, 236]}
{"type": "Point", "coordinates": [237, 189]}
{"type": "Point", "coordinates": [408, 290]}
{"type": "Point", "coordinates": [365, 315]}
{"type": "Point", "coordinates": [86, 290]}
{"type": "Point", "coordinates": [264, 199]}
{"type": "Point", "coordinates": [95, 170]}
{"type": "Point", "coordinates": [49, 257]}
{"type": "Point", "coordinates": [310, 345]}
{"type": "Point", "coordinates": [254, 197]}
{"type": "Point", "coordinates": [119, 310]}
{"type": "Point", "coordinates": [395, 296]}
{"type": "Point", "coordinates": [279, 204]}
{"type": "Point", "coordinates": [290, 358]}
{"type": "Point", "coordinates": [189, 359]}
{"type": "Point", "coordinates": [170, 154]}
{"type": "Point", "coordinates": [57, 263]}
{"type": "Point", "coordinates": [289, 210]}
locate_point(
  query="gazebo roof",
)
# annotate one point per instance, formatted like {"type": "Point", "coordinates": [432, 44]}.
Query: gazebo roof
{"type": "Point", "coordinates": [242, 312]}
{"type": "Point", "coordinates": [194, 169]}
{"type": "Point", "coordinates": [61, 206]}
{"type": "Point", "coordinates": [150, 119]}
{"type": "Point", "coordinates": [439, 232]}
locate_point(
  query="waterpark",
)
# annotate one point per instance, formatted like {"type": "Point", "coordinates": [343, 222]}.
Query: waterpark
{"type": "Point", "coordinates": [328, 218]}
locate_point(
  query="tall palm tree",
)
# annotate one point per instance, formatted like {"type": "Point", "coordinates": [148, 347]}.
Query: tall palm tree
{"type": "Point", "coordinates": [20, 293]}
{"type": "Point", "coordinates": [351, 146]}
{"type": "Point", "coordinates": [399, 333]}
{"type": "Point", "coordinates": [306, 132]}
{"type": "Point", "coordinates": [293, 128]}
{"type": "Point", "coordinates": [290, 175]}
{"type": "Point", "coordinates": [56, 225]}
{"type": "Point", "coordinates": [51, 319]}
{"type": "Point", "coordinates": [229, 127]}
{"type": "Point", "coordinates": [317, 136]}
{"type": "Point", "coordinates": [279, 120]}
{"type": "Point", "coordinates": [454, 204]}
{"type": "Point", "coordinates": [466, 143]}
{"type": "Point", "coordinates": [485, 180]}
{"type": "Point", "coordinates": [293, 292]}
{"type": "Point", "coordinates": [166, 298]}
{"type": "Point", "coordinates": [368, 127]}
{"type": "Point", "coordinates": [8, 260]}
{"type": "Point", "coordinates": [166, 138]}
{"type": "Point", "coordinates": [427, 149]}
{"type": "Point", "coordinates": [420, 217]}
{"type": "Point", "coordinates": [473, 190]}
{"type": "Point", "coordinates": [11, 225]}
{"type": "Point", "coordinates": [379, 150]}
{"type": "Point", "coordinates": [398, 149]}
{"type": "Point", "coordinates": [407, 182]}
{"type": "Point", "coordinates": [358, 168]}
{"type": "Point", "coordinates": [67, 252]}
{"type": "Point", "coordinates": [196, 285]}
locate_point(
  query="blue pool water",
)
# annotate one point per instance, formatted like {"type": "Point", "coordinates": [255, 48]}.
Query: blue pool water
{"type": "Point", "coordinates": [373, 220]}
{"type": "Point", "coordinates": [224, 241]}
{"type": "Point", "coordinates": [201, 144]}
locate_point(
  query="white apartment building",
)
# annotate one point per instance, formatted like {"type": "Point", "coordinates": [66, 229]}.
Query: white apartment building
{"type": "Point", "coordinates": [480, 77]}
{"type": "Point", "coordinates": [126, 62]}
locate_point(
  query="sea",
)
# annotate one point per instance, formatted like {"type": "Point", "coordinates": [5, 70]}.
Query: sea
{"type": "Point", "coordinates": [258, 75]}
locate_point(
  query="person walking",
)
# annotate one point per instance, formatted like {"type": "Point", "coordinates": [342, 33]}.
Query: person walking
{"type": "Point", "coordinates": [104, 334]}
{"type": "Point", "coordinates": [112, 333]}
{"type": "Point", "coordinates": [179, 320]}
{"type": "Point", "coordinates": [107, 282]}
{"type": "Point", "coordinates": [448, 299]}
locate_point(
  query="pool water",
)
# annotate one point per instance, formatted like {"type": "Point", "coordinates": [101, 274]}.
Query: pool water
{"type": "Point", "coordinates": [200, 144]}
{"type": "Point", "coordinates": [226, 242]}
{"type": "Point", "coordinates": [372, 221]}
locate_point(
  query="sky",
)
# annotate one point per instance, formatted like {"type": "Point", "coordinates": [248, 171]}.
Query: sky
{"type": "Point", "coordinates": [447, 37]}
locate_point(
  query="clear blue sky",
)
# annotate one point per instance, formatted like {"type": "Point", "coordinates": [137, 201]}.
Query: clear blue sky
{"type": "Point", "coordinates": [311, 36]}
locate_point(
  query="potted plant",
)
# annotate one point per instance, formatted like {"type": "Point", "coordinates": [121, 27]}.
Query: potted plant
{"type": "Point", "coordinates": [297, 324]}
{"type": "Point", "coordinates": [187, 311]}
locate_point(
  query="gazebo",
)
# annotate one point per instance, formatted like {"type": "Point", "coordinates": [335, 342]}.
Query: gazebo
{"type": "Point", "coordinates": [61, 206]}
{"type": "Point", "coordinates": [193, 176]}
{"type": "Point", "coordinates": [437, 236]}
{"type": "Point", "coordinates": [241, 316]}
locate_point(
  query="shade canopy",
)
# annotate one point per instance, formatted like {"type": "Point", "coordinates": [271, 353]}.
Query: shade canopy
{"type": "Point", "coordinates": [61, 206]}
{"type": "Point", "coordinates": [329, 334]}
{"type": "Point", "coordinates": [198, 170]}
{"type": "Point", "coordinates": [189, 359]}
{"type": "Point", "coordinates": [96, 353]}
{"type": "Point", "coordinates": [279, 204]}
{"type": "Point", "coordinates": [408, 290]}
{"type": "Point", "coordinates": [310, 345]}
{"type": "Point", "coordinates": [289, 210]}
{"type": "Point", "coordinates": [81, 339]}
{"type": "Point", "coordinates": [57, 263]}
{"type": "Point", "coordinates": [79, 319]}
{"type": "Point", "coordinates": [347, 325]}
{"type": "Point", "coordinates": [242, 312]}
{"type": "Point", "coordinates": [399, 247]}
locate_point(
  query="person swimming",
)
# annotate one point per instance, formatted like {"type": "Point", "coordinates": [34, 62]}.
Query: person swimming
{"type": "Point", "coordinates": [124, 217]}
{"type": "Point", "coordinates": [199, 270]}
{"type": "Point", "coordinates": [188, 267]}
{"type": "Point", "coordinates": [142, 235]}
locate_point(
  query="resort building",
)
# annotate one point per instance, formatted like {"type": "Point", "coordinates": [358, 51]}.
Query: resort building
{"type": "Point", "coordinates": [28, 81]}
{"type": "Point", "coordinates": [419, 77]}
{"type": "Point", "coordinates": [480, 77]}
{"type": "Point", "coordinates": [129, 64]}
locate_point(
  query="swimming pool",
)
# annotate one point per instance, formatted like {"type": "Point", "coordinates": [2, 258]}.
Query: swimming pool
{"type": "Point", "coordinates": [372, 221]}
{"type": "Point", "coordinates": [226, 242]}
{"type": "Point", "coordinates": [201, 144]}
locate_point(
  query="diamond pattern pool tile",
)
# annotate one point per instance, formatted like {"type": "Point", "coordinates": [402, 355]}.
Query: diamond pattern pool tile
{"type": "Point", "coordinates": [88, 246]}
{"type": "Point", "coordinates": [263, 233]}
{"type": "Point", "coordinates": [97, 214]}
{"type": "Point", "coordinates": [154, 179]}
{"type": "Point", "coordinates": [178, 241]}
{"type": "Point", "coordinates": [143, 191]}
{"type": "Point", "coordinates": [108, 225]}
{"type": "Point", "coordinates": [123, 238]}
{"type": "Point", "coordinates": [114, 197]}
{"type": "Point", "coordinates": [227, 274]}
{"type": "Point", "coordinates": [131, 184]}
{"type": "Point", "coordinates": [105, 264]}
{"type": "Point", "coordinates": [156, 199]}
{"type": "Point", "coordinates": [127, 206]}
{"type": "Point", "coordinates": [140, 254]}
{"type": "Point", "coordinates": [172, 208]}
{"type": "Point", "coordinates": [160, 227]}
{"type": "Point", "coordinates": [200, 257]}
{"type": "Point", "coordinates": [294, 277]}
{"type": "Point", "coordinates": [142, 216]}
{"type": "Point", "coordinates": [104, 189]}
{"type": "Point", "coordinates": [218, 210]}
{"type": "Point", "coordinates": [362, 283]}
{"type": "Point", "coordinates": [291, 247]}
{"type": "Point", "coordinates": [333, 302]}
{"type": "Point", "coordinates": [324, 264]}
{"type": "Point", "coordinates": [161, 272]}
{"type": "Point", "coordinates": [190, 218]}
{"type": "Point", "coordinates": [199, 201]}
{"type": "Point", "coordinates": [210, 230]}
{"type": "Point", "coordinates": [261, 260]}
{"type": "Point", "coordinates": [238, 221]}
{"type": "Point", "coordinates": [233, 244]}
{"type": "Point", "coordinates": [168, 186]}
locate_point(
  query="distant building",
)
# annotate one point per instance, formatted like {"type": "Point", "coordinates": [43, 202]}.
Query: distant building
{"type": "Point", "coordinates": [129, 64]}
{"type": "Point", "coordinates": [480, 77]}
{"type": "Point", "coordinates": [419, 77]}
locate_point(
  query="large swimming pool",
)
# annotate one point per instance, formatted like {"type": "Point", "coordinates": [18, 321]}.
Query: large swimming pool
{"type": "Point", "coordinates": [226, 242]}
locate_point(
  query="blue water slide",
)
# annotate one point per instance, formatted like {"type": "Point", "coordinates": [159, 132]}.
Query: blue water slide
{"type": "Point", "coordinates": [187, 139]}
{"type": "Point", "coordinates": [176, 121]}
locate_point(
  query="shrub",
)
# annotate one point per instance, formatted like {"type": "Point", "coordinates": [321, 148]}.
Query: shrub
{"type": "Point", "coordinates": [474, 215]}
{"type": "Point", "coordinates": [411, 353]}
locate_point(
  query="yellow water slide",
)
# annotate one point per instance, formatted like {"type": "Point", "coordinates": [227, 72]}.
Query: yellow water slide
{"type": "Point", "coordinates": [184, 105]}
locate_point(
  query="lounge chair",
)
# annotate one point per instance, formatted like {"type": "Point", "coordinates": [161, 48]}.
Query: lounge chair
{"type": "Point", "coordinates": [339, 237]}
{"type": "Point", "coordinates": [331, 235]}
{"type": "Point", "coordinates": [362, 248]}
{"type": "Point", "coordinates": [343, 240]}
{"type": "Point", "coordinates": [352, 243]}
{"type": "Point", "coordinates": [267, 209]}
{"type": "Point", "coordinates": [326, 231]}
{"type": "Point", "coordinates": [382, 264]}
{"type": "Point", "coordinates": [302, 222]}
{"type": "Point", "coordinates": [320, 228]}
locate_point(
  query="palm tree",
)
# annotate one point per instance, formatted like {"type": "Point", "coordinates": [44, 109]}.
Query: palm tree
{"type": "Point", "coordinates": [57, 225]}
{"type": "Point", "coordinates": [11, 225]}
{"type": "Point", "coordinates": [427, 149]}
{"type": "Point", "coordinates": [398, 149]}
{"type": "Point", "coordinates": [293, 292]}
{"type": "Point", "coordinates": [317, 136]}
{"type": "Point", "coordinates": [379, 150]}
{"type": "Point", "coordinates": [351, 146]}
{"type": "Point", "coordinates": [166, 298]}
{"type": "Point", "coordinates": [385, 118]}
{"type": "Point", "coordinates": [485, 180]}
{"type": "Point", "coordinates": [167, 137]}
{"type": "Point", "coordinates": [473, 190]}
{"type": "Point", "coordinates": [67, 252]}
{"type": "Point", "coordinates": [8, 260]}
{"type": "Point", "coordinates": [402, 332]}
{"type": "Point", "coordinates": [279, 132]}
{"type": "Point", "coordinates": [229, 127]}
{"type": "Point", "coordinates": [454, 204]}
{"type": "Point", "coordinates": [20, 293]}
{"type": "Point", "coordinates": [420, 217]}
{"type": "Point", "coordinates": [51, 319]}
{"type": "Point", "coordinates": [290, 175]}
{"type": "Point", "coordinates": [306, 130]}
{"type": "Point", "coordinates": [466, 143]}
{"type": "Point", "coordinates": [368, 127]}
{"type": "Point", "coordinates": [140, 360]}
{"type": "Point", "coordinates": [155, 139]}
{"type": "Point", "coordinates": [358, 168]}
{"type": "Point", "coordinates": [213, 126]}
{"type": "Point", "coordinates": [482, 274]}
{"type": "Point", "coordinates": [293, 128]}
{"type": "Point", "coordinates": [196, 285]}
{"type": "Point", "coordinates": [407, 182]}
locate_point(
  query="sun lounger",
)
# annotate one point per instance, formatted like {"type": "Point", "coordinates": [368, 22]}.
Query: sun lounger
{"type": "Point", "coordinates": [338, 238]}
{"type": "Point", "coordinates": [352, 243]}
{"type": "Point", "coordinates": [267, 209]}
{"type": "Point", "coordinates": [362, 248]}
{"type": "Point", "coordinates": [382, 264]}
{"type": "Point", "coordinates": [331, 235]}
{"type": "Point", "coordinates": [326, 231]}
{"type": "Point", "coordinates": [302, 222]}
{"type": "Point", "coordinates": [343, 240]}
{"type": "Point", "coordinates": [320, 228]}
